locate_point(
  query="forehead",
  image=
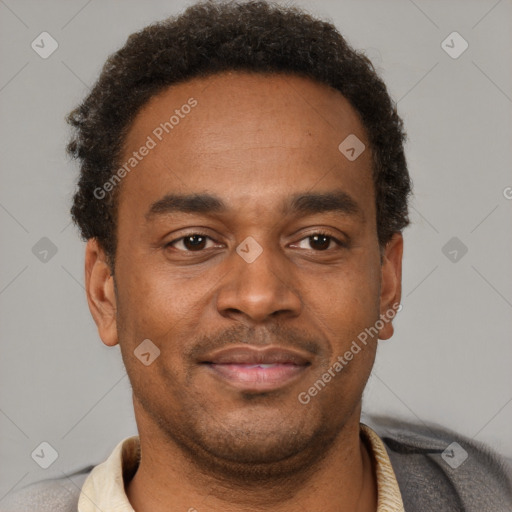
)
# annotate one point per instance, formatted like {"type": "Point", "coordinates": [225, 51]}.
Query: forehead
{"type": "Point", "coordinates": [250, 137]}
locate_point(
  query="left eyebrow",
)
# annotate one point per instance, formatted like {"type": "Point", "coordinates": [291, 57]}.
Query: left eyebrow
{"type": "Point", "coordinates": [337, 201]}
{"type": "Point", "coordinates": [300, 204]}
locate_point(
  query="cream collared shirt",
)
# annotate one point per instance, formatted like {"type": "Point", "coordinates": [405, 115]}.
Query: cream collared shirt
{"type": "Point", "coordinates": [103, 490]}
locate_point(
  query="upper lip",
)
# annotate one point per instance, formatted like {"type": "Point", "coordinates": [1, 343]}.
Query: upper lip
{"type": "Point", "coordinates": [256, 355]}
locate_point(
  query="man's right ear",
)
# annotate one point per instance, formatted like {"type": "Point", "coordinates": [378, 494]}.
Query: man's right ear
{"type": "Point", "coordinates": [99, 287]}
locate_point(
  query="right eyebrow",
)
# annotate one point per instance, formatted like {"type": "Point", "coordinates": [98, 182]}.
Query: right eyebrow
{"type": "Point", "coordinates": [190, 203]}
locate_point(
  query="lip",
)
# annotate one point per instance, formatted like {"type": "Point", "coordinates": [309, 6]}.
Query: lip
{"type": "Point", "coordinates": [257, 369]}
{"type": "Point", "coordinates": [256, 355]}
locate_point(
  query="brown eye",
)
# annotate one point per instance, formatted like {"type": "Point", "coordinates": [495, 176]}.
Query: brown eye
{"type": "Point", "coordinates": [320, 242]}
{"type": "Point", "coordinates": [194, 242]}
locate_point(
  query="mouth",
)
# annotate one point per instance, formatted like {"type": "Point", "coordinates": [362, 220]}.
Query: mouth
{"type": "Point", "coordinates": [255, 369]}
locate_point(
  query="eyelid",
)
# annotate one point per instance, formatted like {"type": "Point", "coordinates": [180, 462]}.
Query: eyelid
{"type": "Point", "coordinates": [191, 233]}
{"type": "Point", "coordinates": [340, 243]}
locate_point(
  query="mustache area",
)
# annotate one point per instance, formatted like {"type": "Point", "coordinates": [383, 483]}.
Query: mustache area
{"type": "Point", "coordinates": [259, 338]}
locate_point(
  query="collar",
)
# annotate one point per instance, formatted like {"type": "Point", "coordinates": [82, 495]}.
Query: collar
{"type": "Point", "coordinates": [104, 488]}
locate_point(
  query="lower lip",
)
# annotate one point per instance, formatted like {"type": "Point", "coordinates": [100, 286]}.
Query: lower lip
{"type": "Point", "coordinates": [257, 378]}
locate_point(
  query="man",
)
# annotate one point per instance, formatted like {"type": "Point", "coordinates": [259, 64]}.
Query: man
{"type": "Point", "coordinates": [243, 192]}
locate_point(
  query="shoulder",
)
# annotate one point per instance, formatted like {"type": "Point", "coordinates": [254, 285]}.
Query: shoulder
{"type": "Point", "coordinates": [52, 495]}
{"type": "Point", "coordinates": [438, 469]}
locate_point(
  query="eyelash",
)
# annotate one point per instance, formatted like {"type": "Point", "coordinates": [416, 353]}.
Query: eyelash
{"type": "Point", "coordinates": [341, 244]}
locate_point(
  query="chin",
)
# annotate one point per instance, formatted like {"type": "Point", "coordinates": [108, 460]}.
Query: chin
{"type": "Point", "coordinates": [259, 444]}
{"type": "Point", "coordinates": [263, 428]}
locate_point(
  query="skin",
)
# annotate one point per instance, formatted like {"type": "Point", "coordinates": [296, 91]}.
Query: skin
{"type": "Point", "coordinates": [253, 141]}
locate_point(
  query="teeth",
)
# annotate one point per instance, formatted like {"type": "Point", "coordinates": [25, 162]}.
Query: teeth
{"type": "Point", "coordinates": [261, 365]}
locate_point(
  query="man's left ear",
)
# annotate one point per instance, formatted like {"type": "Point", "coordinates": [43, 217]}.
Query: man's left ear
{"type": "Point", "coordinates": [391, 283]}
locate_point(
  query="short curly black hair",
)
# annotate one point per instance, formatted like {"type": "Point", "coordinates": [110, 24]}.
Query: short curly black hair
{"type": "Point", "coordinates": [211, 37]}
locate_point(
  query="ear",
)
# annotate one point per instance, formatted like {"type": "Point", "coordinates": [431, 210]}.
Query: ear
{"type": "Point", "coordinates": [99, 287]}
{"type": "Point", "coordinates": [391, 283]}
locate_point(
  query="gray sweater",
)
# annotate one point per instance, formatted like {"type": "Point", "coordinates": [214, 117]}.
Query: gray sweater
{"type": "Point", "coordinates": [428, 467]}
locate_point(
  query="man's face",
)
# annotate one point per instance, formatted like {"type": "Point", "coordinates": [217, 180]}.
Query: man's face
{"type": "Point", "coordinates": [270, 277]}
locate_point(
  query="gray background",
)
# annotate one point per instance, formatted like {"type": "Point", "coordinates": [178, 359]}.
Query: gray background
{"type": "Point", "coordinates": [449, 361]}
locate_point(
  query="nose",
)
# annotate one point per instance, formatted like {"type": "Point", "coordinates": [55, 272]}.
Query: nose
{"type": "Point", "coordinates": [255, 291]}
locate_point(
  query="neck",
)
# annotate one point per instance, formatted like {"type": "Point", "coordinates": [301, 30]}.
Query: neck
{"type": "Point", "coordinates": [168, 478]}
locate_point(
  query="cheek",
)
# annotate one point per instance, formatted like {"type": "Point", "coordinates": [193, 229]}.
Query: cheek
{"type": "Point", "coordinates": [155, 302]}
{"type": "Point", "coordinates": [166, 308]}
{"type": "Point", "coordinates": [344, 311]}
{"type": "Point", "coordinates": [346, 299]}
{"type": "Point", "coordinates": [152, 307]}
{"type": "Point", "coordinates": [344, 304]}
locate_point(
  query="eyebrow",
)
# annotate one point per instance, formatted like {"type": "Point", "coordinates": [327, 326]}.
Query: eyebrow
{"type": "Point", "coordinates": [303, 203]}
